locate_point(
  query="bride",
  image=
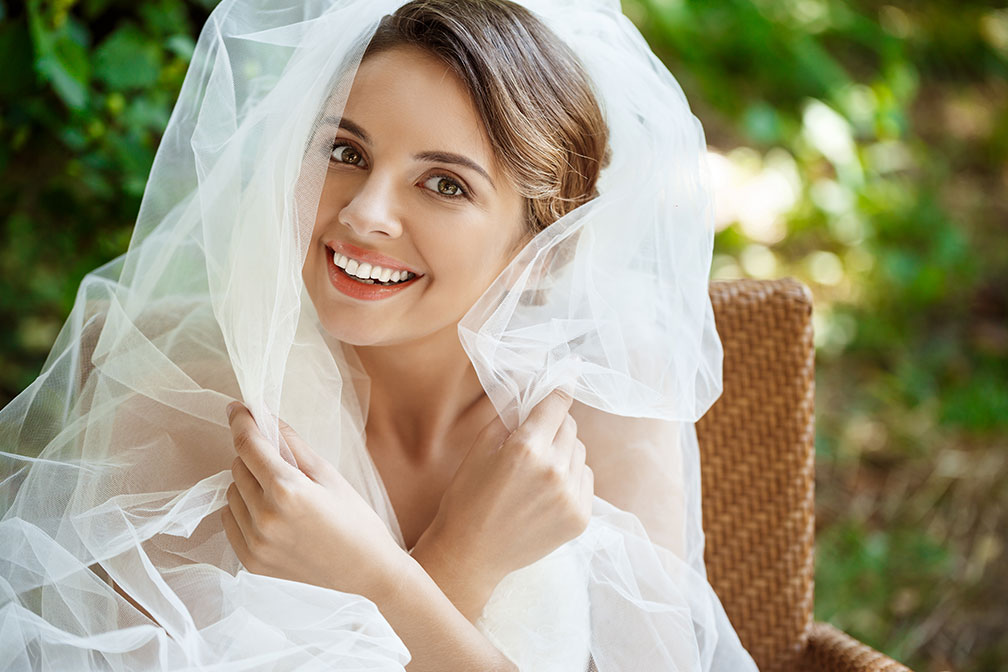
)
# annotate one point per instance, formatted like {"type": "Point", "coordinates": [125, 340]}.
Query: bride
{"type": "Point", "coordinates": [461, 247]}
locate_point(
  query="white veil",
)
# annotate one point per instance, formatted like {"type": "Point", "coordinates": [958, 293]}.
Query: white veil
{"type": "Point", "coordinates": [115, 457]}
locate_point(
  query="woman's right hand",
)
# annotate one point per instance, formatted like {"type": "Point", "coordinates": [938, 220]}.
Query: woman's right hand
{"type": "Point", "coordinates": [514, 498]}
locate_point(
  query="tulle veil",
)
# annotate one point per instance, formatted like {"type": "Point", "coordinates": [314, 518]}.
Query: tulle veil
{"type": "Point", "coordinates": [116, 456]}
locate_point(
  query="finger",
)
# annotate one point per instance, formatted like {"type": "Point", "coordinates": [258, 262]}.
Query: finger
{"type": "Point", "coordinates": [248, 487]}
{"type": "Point", "coordinates": [258, 455]}
{"type": "Point", "coordinates": [545, 418]}
{"type": "Point", "coordinates": [240, 512]}
{"type": "Point", "coordinates": [563, 450]}
{"type": "Point", "coordinates": [234, 535]}
{"type": "Point", "coordinates": [307, 460]}
{"type": "Point", "coordinates": [493, 434]}
{"type": "Point", "coordinates": [577, 460]}
{"type": "Point", "coordinates": [286, 453]}
{"type": "Point", "coordinates": [565, 437]}
{"type": "Point", "coordinates": [486, 447]}
{"type": "Point", "coordinates": [587, 492]}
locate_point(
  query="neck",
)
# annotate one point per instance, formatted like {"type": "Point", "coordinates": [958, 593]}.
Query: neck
{"type": "Point", "coordinates": [419, 391]}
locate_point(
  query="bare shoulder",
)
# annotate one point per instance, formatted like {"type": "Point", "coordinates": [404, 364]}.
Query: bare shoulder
{"type": "Point", "coordinates": [638, 467]}
{"type": "Point", "coordinates": [603, 432]}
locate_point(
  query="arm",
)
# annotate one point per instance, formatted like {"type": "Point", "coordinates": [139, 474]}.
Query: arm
{"type": "Point", "coordinates": [515, 497]}
{"type": "Point", "coordinates": [436, 633]}
{"type": "Point", "coordinates": [638, 465]}
{"type": "Point", "coordinates": [460, 582]}
{"type": "Point", "coordinates": [280, 521]}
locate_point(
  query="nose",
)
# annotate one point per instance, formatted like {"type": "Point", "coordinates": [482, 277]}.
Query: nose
{"type": "Point", "coordinates": [372, 211]}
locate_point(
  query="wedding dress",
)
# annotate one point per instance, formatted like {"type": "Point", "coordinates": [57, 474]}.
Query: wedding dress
{"type": "Point", "coordinates": [116, 459]}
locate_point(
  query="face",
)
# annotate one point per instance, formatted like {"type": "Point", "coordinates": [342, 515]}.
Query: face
{"type": "Point", "coordinates": [414, 201]}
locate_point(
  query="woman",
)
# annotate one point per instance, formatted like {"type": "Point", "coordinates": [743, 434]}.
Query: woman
{"type": "Point", "coordinates": [386, 232]}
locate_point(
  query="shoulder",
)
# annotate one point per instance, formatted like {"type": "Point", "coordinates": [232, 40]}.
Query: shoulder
{"type": "Point", "coordinates": [638, 467]}
{"type": "Point", "coordinates": [602, 432]}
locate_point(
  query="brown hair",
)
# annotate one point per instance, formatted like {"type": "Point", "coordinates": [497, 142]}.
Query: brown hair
{"type": "Point", "coordinates": [532, 94]}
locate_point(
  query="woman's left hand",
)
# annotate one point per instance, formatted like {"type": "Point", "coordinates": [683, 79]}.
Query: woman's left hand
{"type": "Point", "coordinates": [303, 523]}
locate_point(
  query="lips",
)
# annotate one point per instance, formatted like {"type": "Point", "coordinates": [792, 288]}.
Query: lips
{"type": "Point", "coordinates": [359, 290]}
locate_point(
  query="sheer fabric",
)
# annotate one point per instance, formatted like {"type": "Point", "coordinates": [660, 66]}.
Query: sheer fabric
{"type": "Point", "coordinates": [118, 454]}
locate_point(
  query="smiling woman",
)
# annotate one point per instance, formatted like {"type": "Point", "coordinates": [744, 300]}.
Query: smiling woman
{"type": "Point", "coordinates": [396, 187]}
{"type": "Point", "coordinates": [462, 249]}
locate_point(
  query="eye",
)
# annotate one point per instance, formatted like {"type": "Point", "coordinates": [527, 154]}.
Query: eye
{"type": "Point", "coordinates": [445, 186]}
{"type": "Point", "coordinates": [343, 152]}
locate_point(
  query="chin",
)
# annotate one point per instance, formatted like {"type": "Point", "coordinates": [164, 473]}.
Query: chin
{"type": "Point", "coordinates": [345, 331]}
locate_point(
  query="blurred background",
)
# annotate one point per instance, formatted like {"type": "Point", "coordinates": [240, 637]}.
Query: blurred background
{"type": "Point", "coordinates": [861, 147]}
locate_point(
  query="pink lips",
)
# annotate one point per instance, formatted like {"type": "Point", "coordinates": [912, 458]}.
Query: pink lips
{"type": "Point", "coordinates": [360, 290]}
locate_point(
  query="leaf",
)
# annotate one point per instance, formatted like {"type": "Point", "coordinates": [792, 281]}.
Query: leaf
{"type": "Point", "coordinates": [182, 46]}
{"type": "Point", "coordinates": [61, 56]}
{"type": "Point", "coordinates": [165, 17]}
{"type": "Point", "coordinates": [147, 113]}
{"type": "Point", "coordinates": [128, 60]}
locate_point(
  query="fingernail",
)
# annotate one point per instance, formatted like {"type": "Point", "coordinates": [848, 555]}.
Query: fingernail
{"type": "Point", "coordinates": [231, 408]}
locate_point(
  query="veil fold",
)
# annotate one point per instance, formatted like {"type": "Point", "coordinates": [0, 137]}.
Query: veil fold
{"type": "Point", "coordinates": [116, 456]}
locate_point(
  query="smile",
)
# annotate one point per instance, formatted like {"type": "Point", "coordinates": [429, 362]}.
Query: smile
{"type": "Point", "coordinates": [368, 273]}
{"type": "Point", "coordinates": [365, 281]}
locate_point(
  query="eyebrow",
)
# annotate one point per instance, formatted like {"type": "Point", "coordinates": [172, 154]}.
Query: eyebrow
{"type": "Point", "coordinates": [435, 157]}
{"type": "Point", "coordinates": [458, 159]}
{"type": "Point", "coordinates": [350, 126]}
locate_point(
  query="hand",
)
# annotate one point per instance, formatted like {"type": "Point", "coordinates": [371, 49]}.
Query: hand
{"type": "Point", "coordinates": [305, 524]}
{"type": "Point", "coordinates": [514, 499]}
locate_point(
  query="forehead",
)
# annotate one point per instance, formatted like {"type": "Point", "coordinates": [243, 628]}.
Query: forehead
{"type": "Point", "coordinates": [411, 98]}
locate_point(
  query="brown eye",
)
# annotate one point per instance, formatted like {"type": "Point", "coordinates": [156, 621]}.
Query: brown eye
{"type": "Point", "coordinates": [347, 154]}
{"type": "Point", "coordinates": [445, 186]}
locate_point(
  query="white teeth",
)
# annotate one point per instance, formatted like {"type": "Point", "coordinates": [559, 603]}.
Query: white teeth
{"type": "Point", "coordinates": [369, 273]}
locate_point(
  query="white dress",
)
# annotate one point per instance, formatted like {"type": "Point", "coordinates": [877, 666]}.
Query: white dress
{"type": "Point", "coordinates": [539, 616]}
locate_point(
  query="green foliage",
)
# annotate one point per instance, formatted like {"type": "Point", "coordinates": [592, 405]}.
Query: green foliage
{"type": "Point", "coordinates": [888, 124]}
{"type": "Point", "coordinates": [127, 60]}
{"type": "Point", "coordinates": [86, 93]}
{"type": "Point", "coordinates": [871, 580]}
{"type": "Point", "coordinates": [877, 140]}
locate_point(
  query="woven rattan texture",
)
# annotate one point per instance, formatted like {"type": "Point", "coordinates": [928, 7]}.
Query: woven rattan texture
{"type": "Point", "coordinates": [830, 650]}
{"type": "Point", "coordinates": [757, 469]}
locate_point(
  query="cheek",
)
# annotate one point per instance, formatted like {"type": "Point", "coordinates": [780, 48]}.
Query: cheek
{"type": "Point", "coordinates": [312, 275]}
{"type": "Point", "coordinates": [329, 205]}
{"type": "Point", "coordinates": [470, 262]}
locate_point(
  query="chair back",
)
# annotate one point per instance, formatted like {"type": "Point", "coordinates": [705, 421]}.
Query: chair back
{"type": "Point", "coordinates": [757, 467]}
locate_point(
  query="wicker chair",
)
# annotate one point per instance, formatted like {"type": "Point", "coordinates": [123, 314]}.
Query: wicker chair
{"type": "Point", "coordinates": [757, 466]}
